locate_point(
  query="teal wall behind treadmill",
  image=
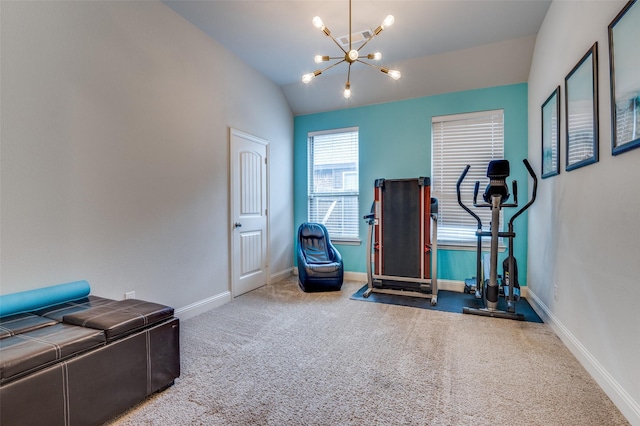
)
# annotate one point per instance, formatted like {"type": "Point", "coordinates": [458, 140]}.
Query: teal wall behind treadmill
{"type": "Point", "coordinates": [395, 143]}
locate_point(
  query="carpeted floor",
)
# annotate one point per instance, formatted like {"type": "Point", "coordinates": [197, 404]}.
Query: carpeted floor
{"type": "Point", "coordinates": [278, 356]}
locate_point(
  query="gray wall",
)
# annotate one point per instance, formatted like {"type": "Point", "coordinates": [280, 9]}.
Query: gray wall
{"type": "Point", "coordinates": [114, 152]}
{"type": "Point", "coordinates": [584, 235]}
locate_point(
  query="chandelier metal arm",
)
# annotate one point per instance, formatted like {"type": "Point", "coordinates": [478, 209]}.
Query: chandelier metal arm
{"type": "Point", "coordinates": [371, 65]}
{"type": "Point", "coordinates": [367, 41]}
{"type": "Point", "coordinates": [382, 69]}
{"type": "Point", "coordinates": [350, 35]}
{"type": "Point", "coordinates": [332, 65]}
{"type": "Point", "coordinates": [391, 73]}
{"type": "Point", "coordinates": [336, 42]}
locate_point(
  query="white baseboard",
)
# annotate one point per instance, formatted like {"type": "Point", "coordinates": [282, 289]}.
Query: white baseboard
{"type": "Point", "coordinates": [279, 276]}
{"type": "Point", "coordinates": [625, 403]}
{"type": "Point", "coordinates": [348, 276]}
{"type": "Point", "coordinates": [454, 285]}
{"type": "Point", "coordinates": [202, 306]}
{"type": "Point", "coordinates": [447, 285]}
{"type": "Point", "coordinates": [355, 276]}
{"type": "Point", "coordinates": [451, 285]}
{"type": "Point", "coordinates": [213, 302]}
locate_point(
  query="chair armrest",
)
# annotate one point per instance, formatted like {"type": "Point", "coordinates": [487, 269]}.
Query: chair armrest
{"type": "Point", "coordinates": [335, 254]}
{"type": "Point", "coordinates": [301, 257]}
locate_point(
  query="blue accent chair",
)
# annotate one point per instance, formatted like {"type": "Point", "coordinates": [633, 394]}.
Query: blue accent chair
{"type": "Point", "coordinates": [319, 263]}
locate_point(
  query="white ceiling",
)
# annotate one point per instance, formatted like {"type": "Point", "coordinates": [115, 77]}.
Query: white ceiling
{"type": "Point", "coordinates": [278, 39]}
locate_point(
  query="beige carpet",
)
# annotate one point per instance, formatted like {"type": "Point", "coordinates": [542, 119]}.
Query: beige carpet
{"type": "Point", "coordinates": [278, 356]}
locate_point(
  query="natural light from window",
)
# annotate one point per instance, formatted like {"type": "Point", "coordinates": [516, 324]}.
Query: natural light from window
{"type": "Point", "coordinates": [333, 190]}
{"type": "Point", "coordinates": [457, 141]}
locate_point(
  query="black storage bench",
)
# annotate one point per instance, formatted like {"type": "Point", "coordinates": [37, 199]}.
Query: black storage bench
{"type": "Point", "coordinates": [83, 361]}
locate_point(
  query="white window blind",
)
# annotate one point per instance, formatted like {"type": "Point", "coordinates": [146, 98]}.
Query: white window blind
{"type": "Point", "coordinates": [333, 192]}
{"type": "Point", "coordinates": [457, 140]}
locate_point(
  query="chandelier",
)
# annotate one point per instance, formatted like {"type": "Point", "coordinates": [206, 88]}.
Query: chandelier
{"type": "Point", "coordinates": [352, 55]}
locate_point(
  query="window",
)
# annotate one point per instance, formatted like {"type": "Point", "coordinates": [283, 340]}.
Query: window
{"type": "Point", "coordinates": [333, 193]}
{"type": "Point", "coordinates": [458, 140]}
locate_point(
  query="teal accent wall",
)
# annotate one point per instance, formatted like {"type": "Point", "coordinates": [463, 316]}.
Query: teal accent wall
{"type": "Point", "coordinates": [395, 143]}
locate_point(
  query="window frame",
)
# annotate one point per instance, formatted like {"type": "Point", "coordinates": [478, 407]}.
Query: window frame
{"type": "Point", "coordinates": [348, 189]}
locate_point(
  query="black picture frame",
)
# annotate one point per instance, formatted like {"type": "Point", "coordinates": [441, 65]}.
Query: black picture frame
{"type": "Point", "coordinates": [551, 135]}
{"type": "Point", "coordinates": [581, 111]}
{"type": "Point", "coordinates": [624, 63]}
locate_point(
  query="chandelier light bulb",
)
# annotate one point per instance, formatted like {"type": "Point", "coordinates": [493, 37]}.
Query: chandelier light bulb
{"type": "Point", "coordinates": [388, 21]}
{"type": "Point", "coordinates": [317, 22]}
{"type": "Point", "coordinates": [352, 55]}
{"type": "Point", "coordinates": [347, 91]}
{"type": "Point", "coordinates": [375, 56]}
{"type": "Point", "coordinates": [308, 77]}
{"type": "Point", "coordinates": [320, 58]}
{"type": "Point", "coordinates": [394, 74]}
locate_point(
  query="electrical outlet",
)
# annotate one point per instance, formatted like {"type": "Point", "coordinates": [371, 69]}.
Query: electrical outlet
{"type": "Point", "coordinates": [555, 292]}
{"type": "Point", "coordinates": [130, 295]}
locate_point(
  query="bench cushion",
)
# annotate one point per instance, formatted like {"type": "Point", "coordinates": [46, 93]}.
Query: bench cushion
{"type": "Point", "coordinates": [35, 349]}
{"type": "Point", "coordinates": [22, 323]}
{"type": "Point", "coordinates": [121, 317]}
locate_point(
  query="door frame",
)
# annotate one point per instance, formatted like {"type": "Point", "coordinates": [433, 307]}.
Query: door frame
{"type": "Point", "coordinates": [232, 207]}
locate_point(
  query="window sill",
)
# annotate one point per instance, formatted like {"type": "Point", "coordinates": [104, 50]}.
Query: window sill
{"type": "Point", "coordinates": [345, 242]}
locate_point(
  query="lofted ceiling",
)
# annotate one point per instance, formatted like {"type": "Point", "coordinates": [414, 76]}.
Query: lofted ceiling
{"type": "Point", "coordinates": [439, 45]}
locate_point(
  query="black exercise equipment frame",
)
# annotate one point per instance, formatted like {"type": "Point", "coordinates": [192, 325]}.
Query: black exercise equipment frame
{"type": "Point", "coordinates": [490, 306]}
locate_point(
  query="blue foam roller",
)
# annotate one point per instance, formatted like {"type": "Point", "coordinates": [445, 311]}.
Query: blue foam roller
{"type": "Point", "coordinates": [31, 300]}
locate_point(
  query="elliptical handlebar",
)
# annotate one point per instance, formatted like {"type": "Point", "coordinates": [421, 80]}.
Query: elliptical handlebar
{"type": "Point", "coordinates": [533, 194]}
{"type": "Point", "coordinates": [476, 188]}
{"type": "Point", "coordinates": [515, 193]}
{"type": "Point", "coordinates": [467, 209]}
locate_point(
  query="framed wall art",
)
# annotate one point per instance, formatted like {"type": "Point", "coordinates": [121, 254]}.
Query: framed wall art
{"type": "Point", "coordinates": [624, 64]}
{"type": "Point", "coordinates": [581, 107]}
{"type": "Point", "coordinates": [551, 135]}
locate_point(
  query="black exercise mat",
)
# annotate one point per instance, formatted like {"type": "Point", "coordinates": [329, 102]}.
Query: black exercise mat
{"type": "Point", "coordinates": [448, 301]}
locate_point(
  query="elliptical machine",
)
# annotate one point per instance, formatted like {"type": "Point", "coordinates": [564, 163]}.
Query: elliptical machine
{"type": "Point", "coordinates": [495, 197]}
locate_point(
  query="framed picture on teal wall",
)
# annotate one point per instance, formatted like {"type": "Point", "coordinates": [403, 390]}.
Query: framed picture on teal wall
{"type": "Point", "coordinates": [581, 107]}
{"type": "Point", "coordinates": [551, 135]}
{"type": "Point", "coordinates": [624, 63]}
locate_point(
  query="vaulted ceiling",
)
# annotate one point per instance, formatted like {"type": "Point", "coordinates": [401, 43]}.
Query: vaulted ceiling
{"type": "Point", "coordinates": [439, 46]}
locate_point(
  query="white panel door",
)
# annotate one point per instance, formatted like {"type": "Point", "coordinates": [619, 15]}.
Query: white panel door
{"type": "Point", "coordinates": [249, 233]}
